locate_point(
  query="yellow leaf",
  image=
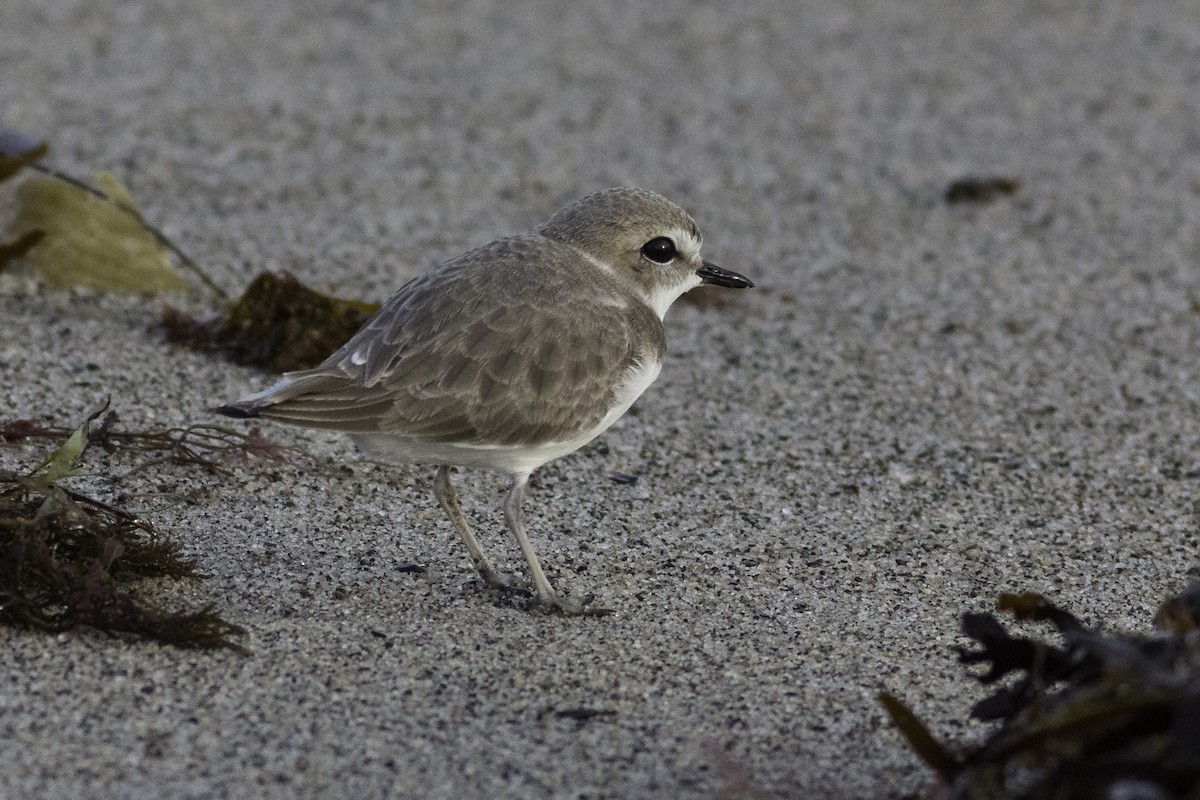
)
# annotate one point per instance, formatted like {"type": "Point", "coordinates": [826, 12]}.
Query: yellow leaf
{"type": "Point", "coordinates": [94, 241]}
{"type": "Point", "coordinates": [64, 462]}
{"type": "Point", "coordinates": [116, 191]}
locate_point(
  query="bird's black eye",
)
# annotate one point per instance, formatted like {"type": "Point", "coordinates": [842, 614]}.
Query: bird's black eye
{"type": "Point", "coordinates": [660, 250]}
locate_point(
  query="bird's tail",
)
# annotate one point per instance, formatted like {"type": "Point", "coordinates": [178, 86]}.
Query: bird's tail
{"type": "Point", "coordinates": [313, 399]}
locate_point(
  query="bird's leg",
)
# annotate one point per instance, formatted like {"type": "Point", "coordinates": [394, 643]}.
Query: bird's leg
{"type": "Point", "coordinates": [444, 492]}
{"type": "Point", "coordinates": [546, 596]}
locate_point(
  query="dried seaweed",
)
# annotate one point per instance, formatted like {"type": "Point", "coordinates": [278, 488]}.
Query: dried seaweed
{"type": "Point", "coordinates": [67, 560]}
{"type": "Point", "coordinates": [919, 738]}
{"type": "Point", "coordinates": [198, 445]}
{"type": "Point", "coordinates": [278, 323]}
{"type": "Point", "coordinates": [1096, 715]}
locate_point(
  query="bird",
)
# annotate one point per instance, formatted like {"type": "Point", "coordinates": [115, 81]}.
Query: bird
{"type": "Point", "coordinates": [510, 355]}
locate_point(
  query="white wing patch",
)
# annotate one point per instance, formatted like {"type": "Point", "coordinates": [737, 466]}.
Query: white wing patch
{"type": "Point", "coordinates": [265, 396]}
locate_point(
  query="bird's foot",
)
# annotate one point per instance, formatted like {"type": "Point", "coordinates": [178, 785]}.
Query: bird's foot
{"type": "Point", "coordinates": [495, 580]}
{"type": "Point", "coordinates": [545, 602]}
{"type": "Point", "coordinates": [569, 606]}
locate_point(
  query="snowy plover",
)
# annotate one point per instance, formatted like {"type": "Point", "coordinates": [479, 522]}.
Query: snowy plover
{"type": "Point", "coordinates": [510, 355]}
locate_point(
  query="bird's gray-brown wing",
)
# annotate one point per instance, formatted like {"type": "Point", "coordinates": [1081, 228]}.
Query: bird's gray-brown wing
{"type": "Point", "coordinates": [514, 343]}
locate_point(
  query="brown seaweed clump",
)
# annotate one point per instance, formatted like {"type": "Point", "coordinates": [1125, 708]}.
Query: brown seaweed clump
{"type": "Point", "coordinates": [1093, 716]}
{"type": "Point", "coordinates": [67, 560]}
{"type": "Point", "coordinates": [278, 323]}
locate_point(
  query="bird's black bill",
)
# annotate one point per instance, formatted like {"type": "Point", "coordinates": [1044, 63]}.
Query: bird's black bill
{"type": "Point", "coordinates": [711, 273]}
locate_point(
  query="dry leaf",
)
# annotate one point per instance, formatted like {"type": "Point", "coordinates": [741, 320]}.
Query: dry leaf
{"type": "Point", "coordinates": [90, 240]}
